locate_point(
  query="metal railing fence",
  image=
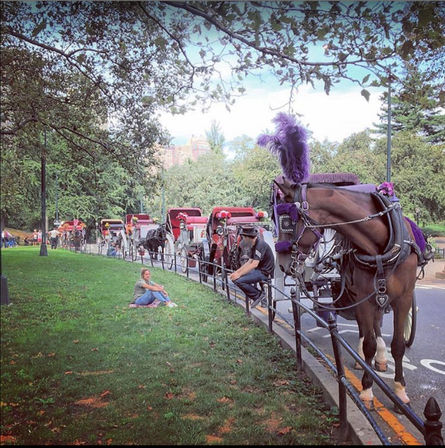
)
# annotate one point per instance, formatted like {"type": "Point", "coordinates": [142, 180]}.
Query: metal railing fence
{"type": "Point", "coordinates": [431, 427]}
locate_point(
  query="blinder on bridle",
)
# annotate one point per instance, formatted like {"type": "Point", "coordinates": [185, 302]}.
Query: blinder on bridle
{"type": "Point", "coordinates": [287, 216]}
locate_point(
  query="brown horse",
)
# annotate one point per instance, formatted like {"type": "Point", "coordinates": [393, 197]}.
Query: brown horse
{"type": "Point", "coordinates": [378, 254]}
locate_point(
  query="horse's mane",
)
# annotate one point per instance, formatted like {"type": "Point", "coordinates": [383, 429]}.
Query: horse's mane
{"type": "Point", "coordinates": [289, 144]}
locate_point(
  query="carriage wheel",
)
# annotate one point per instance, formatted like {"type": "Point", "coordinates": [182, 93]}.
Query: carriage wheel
{"type": "Point", "coordinates": [169, 250]}
{"type": "Point", "coordinates": [410, 324]}
{"type": "Point", "coordinates": [203, 267]}
{"type": "Point", "coordinates": [183, 260]}
{"type": "Point", "coordinates": [130, 251]}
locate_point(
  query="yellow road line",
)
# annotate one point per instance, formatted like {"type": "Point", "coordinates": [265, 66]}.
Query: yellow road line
{"type": "Point", "coordinates": [390, 419]}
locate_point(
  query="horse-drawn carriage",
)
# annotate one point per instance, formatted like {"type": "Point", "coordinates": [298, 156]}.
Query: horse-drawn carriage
{"type": "Point", "coordinates": [136, 228]}
{"type": "Point", "coordinates": [223, 235]}
{"type": "Point", "coordinates": [373, 257]}
{"type": "Point", "coordinates": [112, 235]}
{"type": "Point", "coordinates": [73, 234]}
{"type": "Point", "coordinates": [185, 236]}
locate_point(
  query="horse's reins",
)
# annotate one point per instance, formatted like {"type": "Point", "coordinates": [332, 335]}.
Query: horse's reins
{"type": "Point", "coordinates": [298, 257]}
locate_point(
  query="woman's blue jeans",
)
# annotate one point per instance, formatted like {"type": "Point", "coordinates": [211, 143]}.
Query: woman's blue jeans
{"type": "Point", "coordinates": [150, 296]}
{"type": "Point", "coordinates": [247, 283]}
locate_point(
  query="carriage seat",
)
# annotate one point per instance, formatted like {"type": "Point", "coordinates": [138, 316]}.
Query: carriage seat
{"type": "Point", "coordinates": [349, 181]}
{"type": "Point", "coordinates": [242, 220]}
{"type": "Point", "coordinates": [334, 178]}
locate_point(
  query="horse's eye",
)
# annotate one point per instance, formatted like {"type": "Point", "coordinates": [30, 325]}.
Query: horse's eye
{"type": "Point", "coordinates": [286, 225]}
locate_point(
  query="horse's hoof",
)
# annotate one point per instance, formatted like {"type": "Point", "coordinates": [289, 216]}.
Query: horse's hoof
{"type": "Point", "coordinates": [357, 366]}
{"type": "Point", "coordinates": [380, 366]}
{"type": "Point", "coordinates": [398, 410]}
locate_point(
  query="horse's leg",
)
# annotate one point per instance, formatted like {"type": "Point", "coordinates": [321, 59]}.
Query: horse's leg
{"type": "Point", "coordinates": [357, 366]}
{"type": "Point", "coordinates": [380, 357]}
{"type": "Point", "coordinates": [365, 321]}
{"type": "Point", "coordinates": [398, 346]}
{"type": "Point", "coordinates": [381, 361]}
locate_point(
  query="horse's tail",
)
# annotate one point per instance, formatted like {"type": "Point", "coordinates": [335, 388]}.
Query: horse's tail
{"type": "Point", "coordinates": [289, 144]}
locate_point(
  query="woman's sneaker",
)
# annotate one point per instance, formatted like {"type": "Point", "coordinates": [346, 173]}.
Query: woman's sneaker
{"type": "Point", "coordinates": [171, 304]}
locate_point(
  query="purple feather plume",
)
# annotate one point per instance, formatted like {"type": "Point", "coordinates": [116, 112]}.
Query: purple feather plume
{"type": "Point", "coordinates": [289, 144]}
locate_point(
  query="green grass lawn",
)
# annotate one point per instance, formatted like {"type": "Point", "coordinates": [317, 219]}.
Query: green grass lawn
{"type": "Point", "coordinates": [80, 367]}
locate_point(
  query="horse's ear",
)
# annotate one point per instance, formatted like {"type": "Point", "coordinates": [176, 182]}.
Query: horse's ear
{"type": "Point", "coordinates": [286, 187]}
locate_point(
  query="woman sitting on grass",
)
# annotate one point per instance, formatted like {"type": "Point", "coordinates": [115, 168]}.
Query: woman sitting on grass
{"type": "Point", "coordinates": [146, 292]}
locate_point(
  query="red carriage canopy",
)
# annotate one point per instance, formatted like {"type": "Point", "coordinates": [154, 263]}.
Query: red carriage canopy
{"type": "Point", "coordinates": [173, 221]}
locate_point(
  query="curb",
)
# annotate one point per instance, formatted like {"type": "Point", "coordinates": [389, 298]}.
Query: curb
{"type": "Point", "coordinates": [360, 431]}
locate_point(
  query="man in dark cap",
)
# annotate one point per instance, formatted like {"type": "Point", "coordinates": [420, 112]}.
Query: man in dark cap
{"type": "Point", "coordinates": [259, 267]}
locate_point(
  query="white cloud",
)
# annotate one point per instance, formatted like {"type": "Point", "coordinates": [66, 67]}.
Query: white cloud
{"type": "Point", "coordinates": [332, 117]}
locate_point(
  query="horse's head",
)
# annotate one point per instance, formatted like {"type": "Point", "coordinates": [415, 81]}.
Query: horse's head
{"type": "Point", "coordinates": [161, 232]}
{"type": "Point", "coordinates": [289, 193]}
{"type": "Point", "coordinates": [290, 214]}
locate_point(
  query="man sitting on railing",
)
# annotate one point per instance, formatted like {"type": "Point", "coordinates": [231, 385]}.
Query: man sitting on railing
{"type": "Point", "coordinates": [259, 267]}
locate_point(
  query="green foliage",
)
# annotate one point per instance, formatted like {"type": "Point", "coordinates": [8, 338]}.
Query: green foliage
{"type": "Point", "coordinates": [205, 183]}
{"type": "Point", "coordinates": [356, 154]}
{"type": "Point", "coordinates": [417, 167]}
{"type": "Point", "coordinates": [80, 367]}
{"type": "Point", "coordinates": [415, 106]}
{"type": "Point", "coordinates": [215, 137]}
{"type": "Point", "coordinates": [254, 170]}
{"type": "Point", "coordinates": [418, 173]}
{"type": "Point", "coordinates": [98, 92]}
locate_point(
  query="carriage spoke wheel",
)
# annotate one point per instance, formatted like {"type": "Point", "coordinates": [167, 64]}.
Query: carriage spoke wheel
{"type": "Point", "coordinates": [169, 251]}
{"type": "Point", "coordinates": [203, 267]}
{"type": "Point", "coordinates": [410, 324]}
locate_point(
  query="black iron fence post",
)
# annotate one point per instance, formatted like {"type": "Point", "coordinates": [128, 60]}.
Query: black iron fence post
{"type": "Point", "coordinates": [214, 277]}
{"type": "Point", "coordinates": [332, 324]}
{"type": "Point", "coordinates": [227, 286]}
{"type": "Point", "coordinates": [269, 304]}
{"type": "Point", "coordinates": [433, 425]}
{"type": "Point", "coordinates": [297, 327]}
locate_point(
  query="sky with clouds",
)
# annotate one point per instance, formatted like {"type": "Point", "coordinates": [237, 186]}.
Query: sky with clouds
{"type": "Point", "coordinates": [333, 117]}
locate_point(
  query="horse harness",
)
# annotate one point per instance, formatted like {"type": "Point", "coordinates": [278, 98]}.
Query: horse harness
{"type": "Point", "coordinates": [398, 248]}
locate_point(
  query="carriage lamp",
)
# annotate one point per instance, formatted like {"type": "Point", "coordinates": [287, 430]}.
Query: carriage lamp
{"type": "Point", "coordinates": [220, 230]}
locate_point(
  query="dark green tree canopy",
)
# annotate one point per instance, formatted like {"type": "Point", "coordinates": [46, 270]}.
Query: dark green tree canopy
{"type": "Point", "coordinates": [96, 74]}
{"type": "Point", "coordinates": [416, 106]}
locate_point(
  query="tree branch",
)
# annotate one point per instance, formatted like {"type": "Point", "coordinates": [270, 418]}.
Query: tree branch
{"type": "Point", "coordinates": [263, 50]}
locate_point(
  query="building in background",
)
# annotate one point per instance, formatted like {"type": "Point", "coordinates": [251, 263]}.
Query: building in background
{"type": "Point", "coordinates": [177, 155]}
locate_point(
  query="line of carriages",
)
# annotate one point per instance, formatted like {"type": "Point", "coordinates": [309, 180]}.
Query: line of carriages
{"type": "Point", "coordinates": [186, 234]}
